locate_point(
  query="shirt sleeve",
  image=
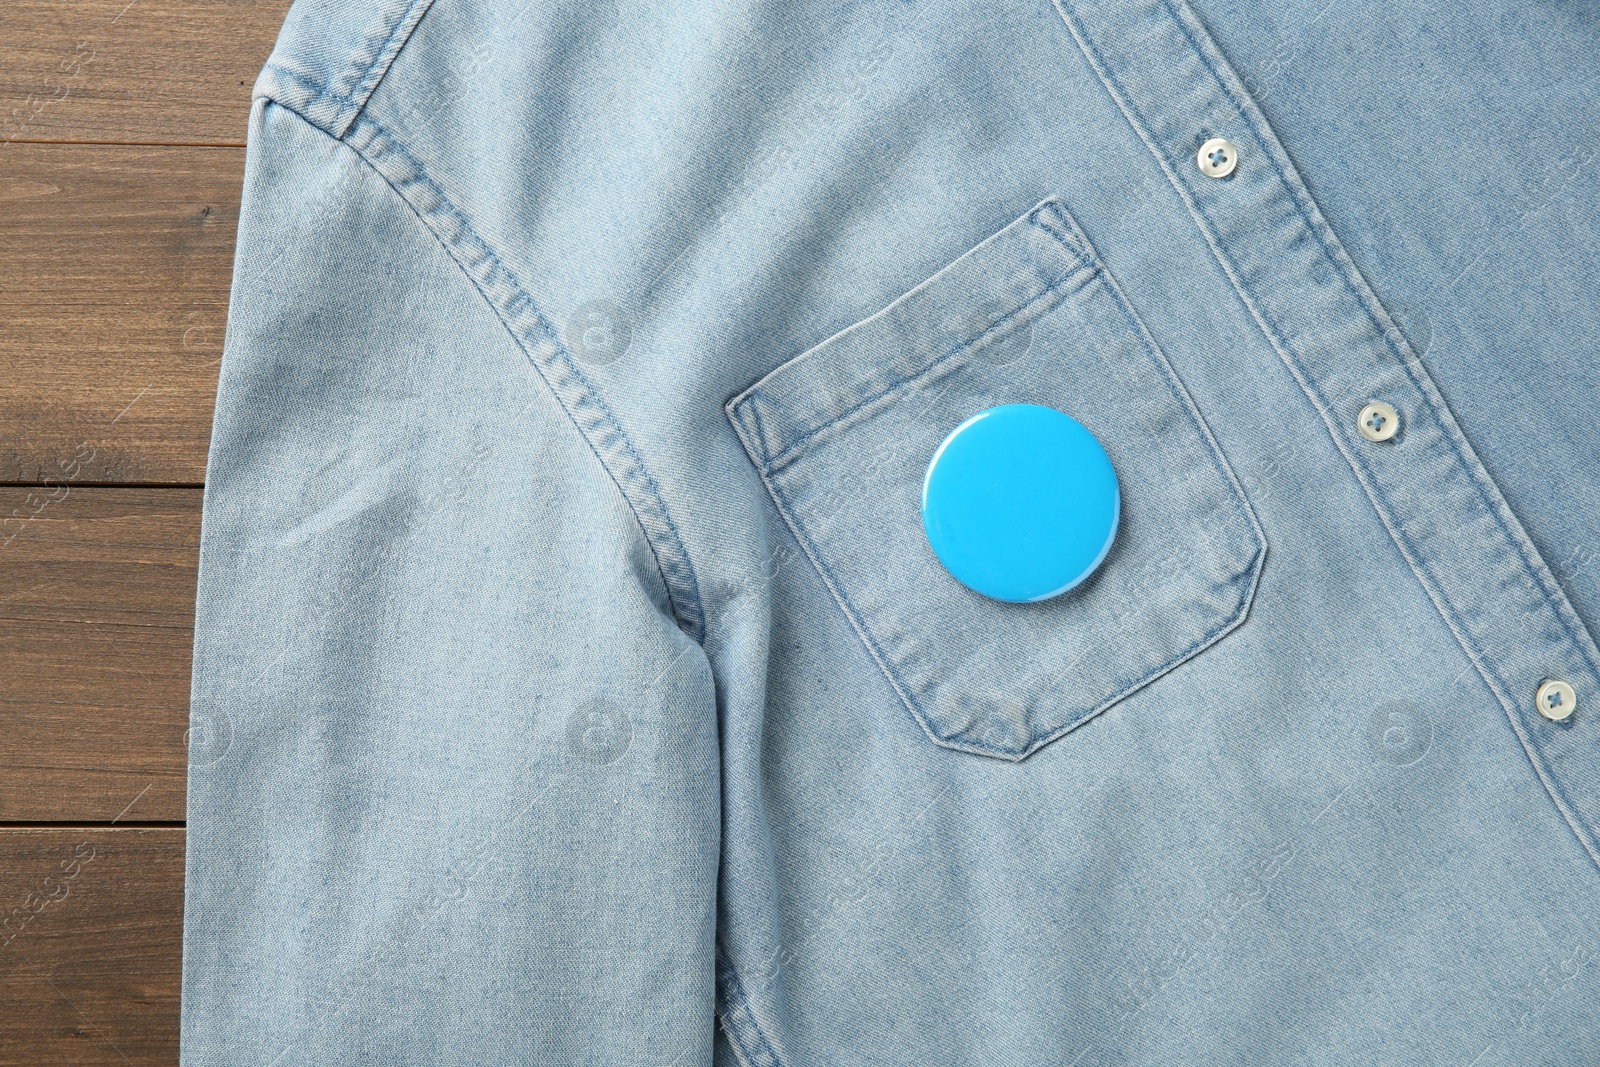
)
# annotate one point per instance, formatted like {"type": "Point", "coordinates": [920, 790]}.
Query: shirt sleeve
{"type": "Point", "coordinates": [453, 791]}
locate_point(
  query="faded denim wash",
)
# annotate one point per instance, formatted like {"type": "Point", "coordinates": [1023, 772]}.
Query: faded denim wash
{"type": "Point", "coordinates": [574, 684]}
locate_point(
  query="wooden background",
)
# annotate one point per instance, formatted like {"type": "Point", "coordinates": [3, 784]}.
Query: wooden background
{"type": "Point", "coordinates": [121, 152]}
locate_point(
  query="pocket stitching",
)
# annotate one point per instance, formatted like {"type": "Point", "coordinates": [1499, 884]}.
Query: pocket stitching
{"type": "Point", "coordinates": [1180, 393]}
{"type": "Point", "coordinates": [1057, 289]}
{"type": "Point", "coordinates": [1253, 567]}
{"type": "Point", "coordinates": [1089, 268]}
{"type": "Point", "coordinates": [792, 521]}
{"type": "Point", "coordinates": [1083, 259]}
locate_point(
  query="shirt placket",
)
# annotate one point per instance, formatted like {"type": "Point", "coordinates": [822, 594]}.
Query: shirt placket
{"type": "Point", "coordinates": [1370, 390]}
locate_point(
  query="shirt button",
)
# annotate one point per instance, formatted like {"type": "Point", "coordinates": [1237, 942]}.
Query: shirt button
{"type": "Point", "coordinates": [1556, 700]}
{"type": "Point", "coordinates": [1217, 158]}
{"type": "Point", "coordinates": [1378, 421]}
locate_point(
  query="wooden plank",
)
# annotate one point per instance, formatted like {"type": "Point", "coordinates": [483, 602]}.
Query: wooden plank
{"type": "Point", "coordinates": [114, 269]}
{"type": "Point", "coordinates": [97, 593]}
{"type": "Point", "coordinates": [139, 72]}
{"type": "Point", "coordinates": [90, 945]}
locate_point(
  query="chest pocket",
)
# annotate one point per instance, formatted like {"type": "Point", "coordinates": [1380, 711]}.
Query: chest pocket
{"type": "Point", "coordinates": [842, 434]}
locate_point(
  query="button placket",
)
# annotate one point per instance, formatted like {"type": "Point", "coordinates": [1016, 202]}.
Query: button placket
{"type": "Point", "coordinates": [1450, 521]}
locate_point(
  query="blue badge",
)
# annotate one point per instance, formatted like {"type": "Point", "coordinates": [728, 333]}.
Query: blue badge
{"type": "Point", "coordinates": [1020, 503]}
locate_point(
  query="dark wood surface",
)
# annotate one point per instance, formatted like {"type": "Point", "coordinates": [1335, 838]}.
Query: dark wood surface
{"type": "Point", "coordinates": [96, 610]}
{"type": "Point", "coordinates": [122, 127]}
{"type": "Point", "coordinates": [116, 266]}
{"type": "Point", "coordinates": [89, 936]}
{"type": "Point", "coordinates": [164, 72]}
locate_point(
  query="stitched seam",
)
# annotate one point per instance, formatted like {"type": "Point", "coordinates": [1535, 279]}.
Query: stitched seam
{"type": "Point", "coordinates": [1058, 287]}
{"type": "Point", "coordinates": [685, 601]}
{"type": "Point", "coordinates": [1320, 401]}
{"type": "Point", "coordinates": [1047, 216]}
{"type": "Point", "coordinates": [760, 427]}
{"type": "Point", "coordinates": [319, 95]}
{"type": "Point", "coordinates": [371, 61]}
{"type": "Point", "coordinates": [743, 1017]}
{"type": "Point", "coordinates": [1476, 475]}
{"type": "Point", "coordinates": [1252, 566]}
{"type": "Point", "coordinates": [1343, 267]}
{"type": "Point", "coordinates": [784, 512]}
{"type": "Point", "coordinates": [1231, 619]}
{"type": "Point", "coordinates": [1053, 218]}
{"type": "Point", "coordinates": [1429, 583]}
{"type": "Point", "coordinates": [1075, 247]}
{"type": "Point", "coordinates": [385, 55]}
{"type": "Point", "coordinates": [1179, 393]}
{"type": "Point", "coordinates": [1309, 386]}
{"type": "Point", "coordinates": [687, 604]}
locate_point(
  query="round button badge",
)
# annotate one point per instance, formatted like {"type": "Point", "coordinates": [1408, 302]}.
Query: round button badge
{"type": "Point", "coordinates": [1020, 503]}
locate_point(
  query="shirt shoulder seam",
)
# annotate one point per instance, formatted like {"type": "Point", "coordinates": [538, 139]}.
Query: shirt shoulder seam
{"type": "Point", "coordinates": [335, 106]}
{"type": "Point", "coordinates": [541, 343]}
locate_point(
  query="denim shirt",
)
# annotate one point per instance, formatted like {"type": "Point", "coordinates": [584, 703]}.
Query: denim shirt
{"type": "Point", "coordinates": [574, 682]}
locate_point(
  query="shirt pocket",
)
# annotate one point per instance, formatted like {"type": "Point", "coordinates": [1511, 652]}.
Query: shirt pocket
{"type": "Point", "coordinates": [841, 436]}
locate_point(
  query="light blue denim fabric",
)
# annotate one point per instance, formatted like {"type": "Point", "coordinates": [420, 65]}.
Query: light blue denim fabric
{"type": "Point", "coordinates": [573, 682]}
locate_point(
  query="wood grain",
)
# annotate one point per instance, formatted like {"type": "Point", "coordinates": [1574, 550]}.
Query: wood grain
{"type": "Point", "coordinates": [114, 273]}
{"type": "Point", "coordinates": [139, 72]}
{"type": "Point", "coordinates": [114, 270]}
{"type": "Point", "coordinates": [96, 625]}
{"type": "Point", "coordinates": [91, 924]}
